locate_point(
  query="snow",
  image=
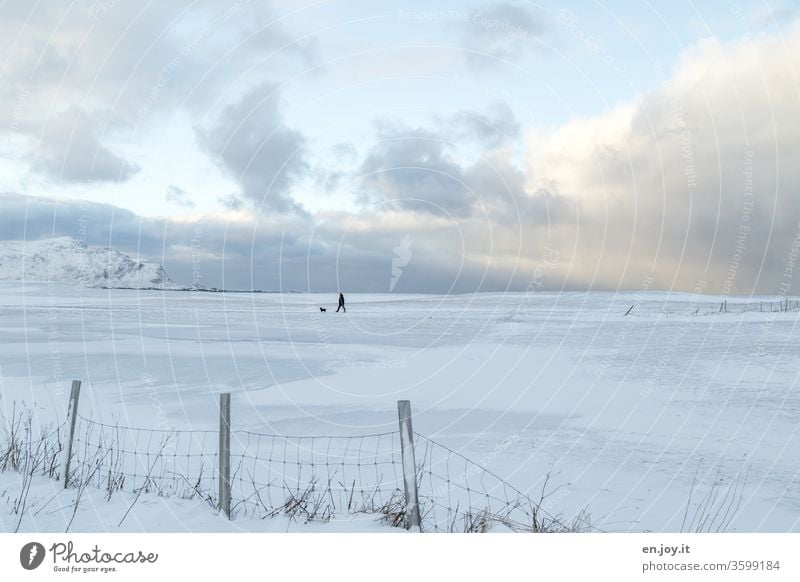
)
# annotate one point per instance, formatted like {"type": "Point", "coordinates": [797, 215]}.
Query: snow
{"type": "Point", "coordinates": [65, 259]}
{"type": "Point", "coordinates": [633, 417]}
{"type": "Point", "coordinates": [51, 510]}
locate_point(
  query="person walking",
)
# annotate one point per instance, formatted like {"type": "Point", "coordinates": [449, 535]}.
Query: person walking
{"type": "Point", "coordinates": [341, 303]}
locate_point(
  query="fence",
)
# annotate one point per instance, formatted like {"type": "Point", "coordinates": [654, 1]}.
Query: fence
{"type": "Point", "coordinates": [707, 308]}
{"type": "Point", "coordinates": [402, 477]}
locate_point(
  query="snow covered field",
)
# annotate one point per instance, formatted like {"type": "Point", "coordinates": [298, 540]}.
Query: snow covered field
{"type": "Point", "coordinates": [634, 417]}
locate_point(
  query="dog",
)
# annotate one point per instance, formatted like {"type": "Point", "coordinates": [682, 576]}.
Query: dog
{"type": "Point", "coordinates": [322, 310]}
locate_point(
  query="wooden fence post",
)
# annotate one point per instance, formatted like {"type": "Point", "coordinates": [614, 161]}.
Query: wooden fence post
{"type": "Point", "coordinates": [225, 453]}
{"type": "Point", "coordinates": [72, 417]}
{"type": "Point", "coordinates": [409, 465]}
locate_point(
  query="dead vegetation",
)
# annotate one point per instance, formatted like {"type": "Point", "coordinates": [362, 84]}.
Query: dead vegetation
{"type": "Point", "coordinates": [29, 452]}
{"type": "Point", "coordinates": [714, 512]}
{"type": "Point", "coordinates": [101, 460]}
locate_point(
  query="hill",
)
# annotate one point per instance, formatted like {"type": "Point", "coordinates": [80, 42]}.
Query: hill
{"type": "Point", "coordinates": [67, 260]}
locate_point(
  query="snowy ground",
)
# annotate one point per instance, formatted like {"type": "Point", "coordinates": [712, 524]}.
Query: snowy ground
{"type": "Point", "coordinates": [626, 413]}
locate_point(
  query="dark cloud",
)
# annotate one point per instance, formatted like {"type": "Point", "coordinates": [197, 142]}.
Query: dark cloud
{"type": "Point", "coordinates": [31, 218]}
{"type": "Point", "coordinates": [411, 168]}
{"type": "Point", "coordinates": [281, 252]}
{"type": "Point", "coordinates": [253, 144]}
{"type": "Point", "coordinates": [421, 169]}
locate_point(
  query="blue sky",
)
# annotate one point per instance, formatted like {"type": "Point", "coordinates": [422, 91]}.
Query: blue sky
{"type": "Point", "coordinates": [485, 131]}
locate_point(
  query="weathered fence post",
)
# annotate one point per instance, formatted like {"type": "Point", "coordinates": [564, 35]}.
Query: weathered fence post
{"type": "Point", "coordinates": [225, 453]}
{"type": "Point", "coordinates": [72, 417]}
{"type": "Point", "coordinates": [409, 465]}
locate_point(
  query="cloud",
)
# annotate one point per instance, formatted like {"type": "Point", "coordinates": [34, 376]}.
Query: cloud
{"type": "Point", "coordinates": [331, 171]}
{"type": "Point", "coordinates": [694, 182]}
{"type": "Point", "coordinates": [71, 150]}
{"type": "Point", "coordinates": [343, 151]}
{"type": "Point", "coordinates": [500, 31]}
{"type": "Point", "coordinates": [506, 196]}
{"type": "Point", "coordinates": [32, 218]}
{"type": "Point", "coordinates": [771, 14]}
{"type": "Point", "coordinates": [231, 202]}
{"type": "Point", "coordinates": [246, 250]}
{"type": "Point", "coordinates": [460, 167]}
{"type": "Point", "coordinates": [491, 129]}
{"type": "Point", "coordinates": [179, 196]}
{"type": "Point", "coordinates": [75, 77]}
{"type": "Point", "coordinates": [691, 183]}
{"type": "Point", "coordinates": [253, 144]}
{"type": "Point", "coordinates": [411, 168]}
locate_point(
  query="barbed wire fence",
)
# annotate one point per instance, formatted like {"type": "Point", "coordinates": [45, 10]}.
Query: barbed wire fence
{"type": "Point", "coordinates": [307, 478]}
{"type": "Point", "coordinates": [121, 458]}
{"type": "Point", "coordinates": [458, 494]}
{"type": "Point", "coordinates": [709, 308]}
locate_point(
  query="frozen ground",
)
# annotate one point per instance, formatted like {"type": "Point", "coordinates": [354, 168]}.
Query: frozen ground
{"type": "Point", "coordinates": [626, 413]}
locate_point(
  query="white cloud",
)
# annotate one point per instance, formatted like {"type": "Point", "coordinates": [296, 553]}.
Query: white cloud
{"type": "Point", "coordinates": [662, 183]}
{"type": "Point", "coordinates": [77, 76]}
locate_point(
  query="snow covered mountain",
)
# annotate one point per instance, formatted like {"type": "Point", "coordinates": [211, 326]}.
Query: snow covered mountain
{"type": "Point", "coordinates": [67, 260]}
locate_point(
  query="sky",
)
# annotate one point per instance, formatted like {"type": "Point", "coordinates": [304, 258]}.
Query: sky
{"type": "Point", "coordinates": [411, 146]}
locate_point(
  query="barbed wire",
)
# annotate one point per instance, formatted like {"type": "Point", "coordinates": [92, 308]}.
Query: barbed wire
{"type": "Point", "coordinates": [459, 495]}
{"type": "Point", "coordinates": [709, 308]}
{"type": "Point", "coordinates": [336, 473]}
{"type": "Point", "coordinates": [307, 477]}
{"type": "Point", "coordinates": [166, 462]}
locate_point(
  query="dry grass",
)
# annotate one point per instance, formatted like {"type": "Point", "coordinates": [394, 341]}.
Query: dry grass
{"type": "Point", "coordinates": [28, 450]}
{"type": "Point", "coordinates": [35, 451]}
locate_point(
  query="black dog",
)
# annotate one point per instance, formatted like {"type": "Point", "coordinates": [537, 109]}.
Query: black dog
{"type": "Point", "coordinates": [322, 309]}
